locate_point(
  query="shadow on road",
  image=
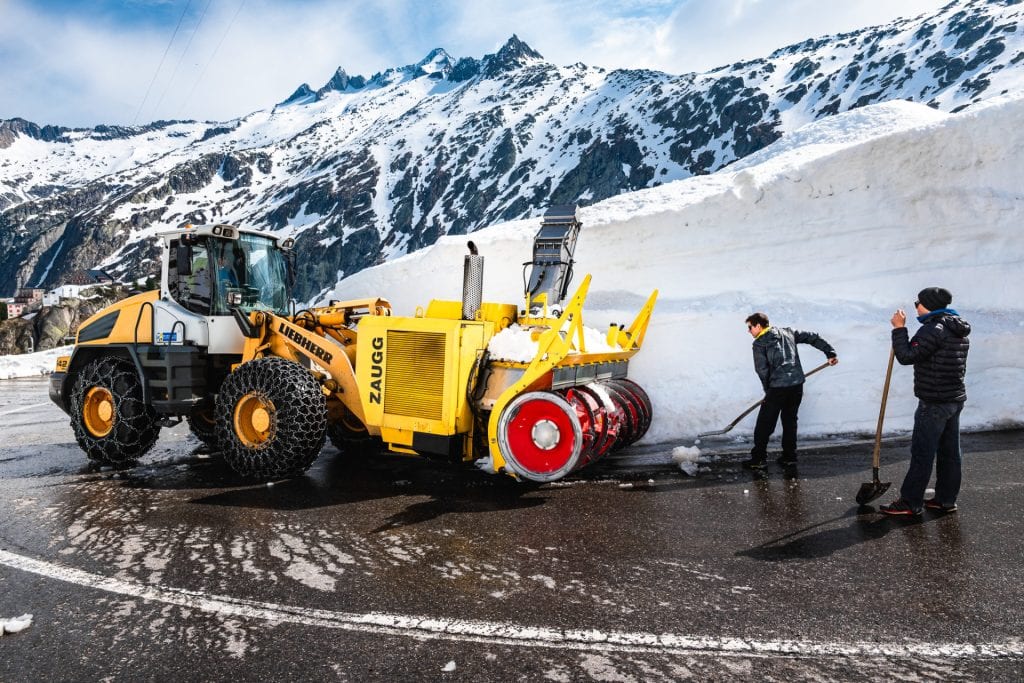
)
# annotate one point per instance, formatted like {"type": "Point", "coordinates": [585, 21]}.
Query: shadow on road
{"type": "Point", "coordinates": [800, 545]}
{"type": "Point", "coordinates": [339, 479]}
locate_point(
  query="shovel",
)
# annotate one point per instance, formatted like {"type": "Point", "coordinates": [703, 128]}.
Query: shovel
{"type": "Point", "coordinates": [751, 409]}
{"type": "Point", "coordinates": [875, 488]}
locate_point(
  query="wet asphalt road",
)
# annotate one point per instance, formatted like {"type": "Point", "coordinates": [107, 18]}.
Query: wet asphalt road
{"type": "Point", "coordinates": [392, 568]}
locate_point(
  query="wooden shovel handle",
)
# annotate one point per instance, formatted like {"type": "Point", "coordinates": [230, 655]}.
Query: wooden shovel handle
{"type": "Point", "coordinates": [881, 412]}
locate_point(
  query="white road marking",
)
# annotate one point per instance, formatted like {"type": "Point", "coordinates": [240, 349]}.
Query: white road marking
{"type": "Point", "coordinates": [507, 633]}
{"type": "Point", "coordinates": [24, 408]}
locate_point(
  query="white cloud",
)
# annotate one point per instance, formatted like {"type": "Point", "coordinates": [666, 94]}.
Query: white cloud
{"type": "Point", "coordinates": [709, 33]}
{"type": "Point", "coordinates": [69, 72]}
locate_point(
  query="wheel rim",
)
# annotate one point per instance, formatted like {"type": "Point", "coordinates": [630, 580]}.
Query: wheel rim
{"type": "Point", "coordinates": [98, 411]}
{"type": "Point", "coordinates": [253, 419]}
{"type": "Point", "coordinates": [539, 436]}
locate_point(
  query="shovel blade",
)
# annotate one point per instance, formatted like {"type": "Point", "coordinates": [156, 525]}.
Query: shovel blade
{"type": "Point", "coordinates": [872, 490]}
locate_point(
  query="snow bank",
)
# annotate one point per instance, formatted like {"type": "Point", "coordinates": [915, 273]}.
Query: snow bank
{"type": "Point", "coordinates": [31, 364]}
{"type": "Point", "coordinates": [829, 229]}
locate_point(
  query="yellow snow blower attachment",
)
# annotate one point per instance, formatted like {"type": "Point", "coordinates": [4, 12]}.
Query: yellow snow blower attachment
{"type": "Point", "coordinates": [532, 393]}
{"type": "Point", "coordinates": [555, 393]}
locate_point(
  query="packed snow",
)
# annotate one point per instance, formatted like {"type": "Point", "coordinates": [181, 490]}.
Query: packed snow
{"type": "Point", "coordinates": [688, 458]}
{"type": "Point", "coordinates": [31, 364]}
{"type": "Point", "coordinates": [517, 344]}
{"type": "Point", "coordinates": [15, 625]}
{"type": "Point", "coordinates": [830, 230]}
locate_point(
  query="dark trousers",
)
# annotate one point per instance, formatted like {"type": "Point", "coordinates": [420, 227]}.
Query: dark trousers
{"type": "Point", "coordinates": [783, 401]}
{"type": "Point", "coordinates": [936, 439]}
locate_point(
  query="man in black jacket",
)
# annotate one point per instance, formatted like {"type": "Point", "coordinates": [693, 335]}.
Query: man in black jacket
{"type": "Point", "coordinates": [777, 364]}
{"type": "Point", "coordinates": [938, 353]}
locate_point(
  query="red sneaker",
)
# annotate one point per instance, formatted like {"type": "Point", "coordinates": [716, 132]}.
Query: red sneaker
{"type": "Point", "coordinates": [933, 504]}
{"type": "Point", "coordinates": [899, 507]}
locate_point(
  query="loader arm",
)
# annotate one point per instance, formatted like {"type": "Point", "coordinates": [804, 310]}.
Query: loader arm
{"type": "Point", "coordinates": [277, 336]}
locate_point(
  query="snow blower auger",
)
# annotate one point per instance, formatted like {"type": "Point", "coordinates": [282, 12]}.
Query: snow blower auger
{"type": "Point", "coordinates": [531, 393]}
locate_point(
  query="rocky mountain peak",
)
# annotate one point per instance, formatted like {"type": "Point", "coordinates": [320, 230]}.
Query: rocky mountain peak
{"type": "Point", "coordinates": [341, 82]}
{"type": "Point", "coordinates": [302, 95]}
{"type": "Point", "coordinates": [512, 55]}
{"type": "Point", "coordinates": [515, 50]}
{"type": "Point", "coordinates": [437, 61]}
{"type": "Point", "coordinates": [10, 128]}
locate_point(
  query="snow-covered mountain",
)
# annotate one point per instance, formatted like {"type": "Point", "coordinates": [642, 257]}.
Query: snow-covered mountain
{"type": "Point", "coordinates": [365, 169]}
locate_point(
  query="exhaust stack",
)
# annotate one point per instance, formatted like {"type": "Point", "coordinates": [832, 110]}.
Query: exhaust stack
{"type": "Point", "coordinates": [472, 282]}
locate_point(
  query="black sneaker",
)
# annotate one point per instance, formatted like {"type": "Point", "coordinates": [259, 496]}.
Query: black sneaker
{"type": "Point", "coordinates": [786, 460]}
{"type": "Point", "coordinates": [899, 508]}
{"type": "Point", "coordinates": [933, 504]}
{"type": "Point", "coordinates": [753, 464]}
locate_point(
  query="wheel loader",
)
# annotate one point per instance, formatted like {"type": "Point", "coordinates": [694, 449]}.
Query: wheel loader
{"type": "Point", "coordinates": [527, 391]}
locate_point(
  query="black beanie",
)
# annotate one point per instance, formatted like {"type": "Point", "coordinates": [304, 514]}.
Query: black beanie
{"type": "Point", "coordinates": [934, 298]}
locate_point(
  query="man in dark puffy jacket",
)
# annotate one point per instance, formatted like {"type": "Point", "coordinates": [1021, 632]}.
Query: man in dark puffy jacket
{"type": "Point", "coordinates": [938, 353]}
{"type": "Point", "coordinates": [777, 364]}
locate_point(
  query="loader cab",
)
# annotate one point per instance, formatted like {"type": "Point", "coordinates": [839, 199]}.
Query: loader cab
{"type": "Point", "coordinates": [212, 270]}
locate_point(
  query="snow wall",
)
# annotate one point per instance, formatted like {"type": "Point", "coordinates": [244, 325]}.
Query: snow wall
{"type": "Point", "coordinates": [830, 229]}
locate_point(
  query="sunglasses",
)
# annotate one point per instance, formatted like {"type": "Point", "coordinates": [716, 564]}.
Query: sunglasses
{"type": "Point", "coordinates": [916, 304]}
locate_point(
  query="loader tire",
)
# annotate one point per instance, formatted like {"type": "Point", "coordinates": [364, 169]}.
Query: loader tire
{"type": "Point", "coordinates": [271, 419]}
{"type": "Point", "coordinates": [202, 422]}
{"type": "Point", "coordinates": [348, 436]}
{"type": "Point", "coordinates": [112, 422]}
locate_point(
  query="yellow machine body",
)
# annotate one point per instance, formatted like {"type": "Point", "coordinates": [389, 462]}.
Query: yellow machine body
{"type": "Point", "coordinates": [425, 384]}
{"type": "Point", "coordinates": [126, 322]}
{"type": "Point", "coordinates": [412, 374]}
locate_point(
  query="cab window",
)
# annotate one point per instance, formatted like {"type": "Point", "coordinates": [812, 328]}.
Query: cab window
{"type": "Point", "coordinates": [194, 290]}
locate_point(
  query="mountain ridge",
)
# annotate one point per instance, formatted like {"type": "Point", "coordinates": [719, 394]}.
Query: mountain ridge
{"type": "Point", "coordinates": [361, 175]}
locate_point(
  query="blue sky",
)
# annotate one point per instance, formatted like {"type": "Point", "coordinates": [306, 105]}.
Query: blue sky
{"type": "Point", "coordinates": [100, 61]}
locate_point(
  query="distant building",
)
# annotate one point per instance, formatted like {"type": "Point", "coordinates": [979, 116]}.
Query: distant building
{"type": "Point", "coordinates": [89, 277]}
{"type": "Point", "coordinates": [11, 309]}
{"type": "Point", "coordinates": [25, 299]}
{"type": "Point", "coordinates": [53, 297]}
{"type": "Point", "coordinates": [32, 297]}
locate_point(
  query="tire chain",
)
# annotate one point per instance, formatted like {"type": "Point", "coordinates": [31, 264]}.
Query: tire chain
{"type": "Point", "coordinates": [135, 428]}
{"type": "Point", "coordinates": [298, 424]}
{"type": "Point", "coordinates": [203, 429]}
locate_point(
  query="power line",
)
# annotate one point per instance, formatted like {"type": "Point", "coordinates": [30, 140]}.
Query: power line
{"type": "Point", "coordinates": [177, 66]}
{"type": "Point", "coordinates": [160, 66]}
{"type": "Point", "coordinates": [212, 56]}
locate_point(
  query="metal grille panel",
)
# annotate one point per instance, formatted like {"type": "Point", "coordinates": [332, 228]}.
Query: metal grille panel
{"type": "Point", "coordinates": [414, 381]}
